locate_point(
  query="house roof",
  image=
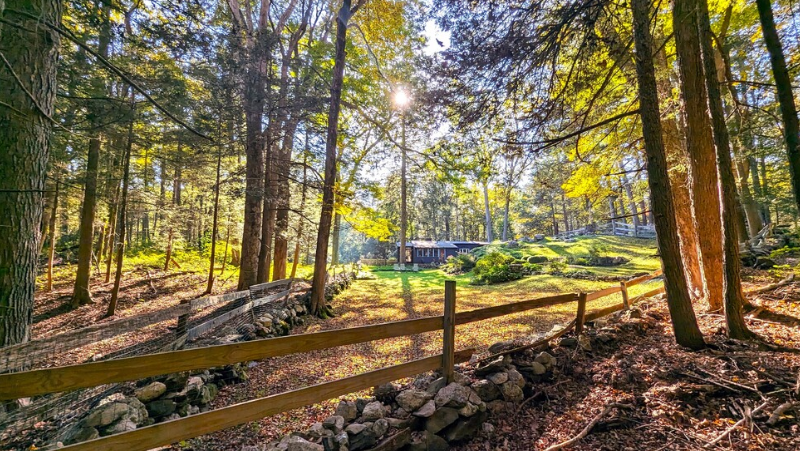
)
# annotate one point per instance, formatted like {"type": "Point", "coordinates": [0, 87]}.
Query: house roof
{"type": "Point", "coordinates": [426, 244]}
{"type": "Point", "coordinates": [478, 243]}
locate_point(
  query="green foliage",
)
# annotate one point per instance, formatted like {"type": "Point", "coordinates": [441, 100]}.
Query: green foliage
{"type": "Point", "coordinates": [557, 267]}
{"type": "Point", "coordinates": [533, 268]}
{"type": "Point", "coordinates": [598, 250]}
{"type": "Point", "coordinates": [537, 259]}
{"type": "Point", "coordinates": [494, 267]}
{"type": "Point", "coordinates": [785, 251]}
{"type": "Point", "coordinates": [459, 264]}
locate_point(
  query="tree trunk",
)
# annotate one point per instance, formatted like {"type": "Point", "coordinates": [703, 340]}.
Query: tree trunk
{"type": "Point", "coordinates": [401, 256]}
{"type": "Point", "coordinates": [700, 146]}
{"type": "Point", "coordinates": [123, 207]}
{"type": "Point", "coordinates": [255, 161]}
{"type": "Point", "coordinates": [210, 285]}
{"type": "Point", "coordinates": [281, 251]}
{"type": "Point", "coordinates": [677, 163]}
{"type": "Point", "coordinates": [300, 218]}
{"type": "Point", "coordinates": [32, 53]}
{"type": "Point", "coordinates": [337, 230]}
{"type": "Point", "coordinates": [487, 212]}
{"type": "Point", "coordinates": [734, 298]}
{"type": "Point", "coordinates": [684, 322]}
{"type": "Point", "coordinates": [81, 294]}
{"type": "Point", "coordinates": [564, 212]}
{"type": "Point", "coordinates": [323, 234]}
{"type": "Point", "coordinates": [52, 238]}
{"type": "Point", "coordinates": [267, 226]}
{"type": "Point", "coordinates": [505, 217]}
{"type": "Point", "coordinates": [783, 82]}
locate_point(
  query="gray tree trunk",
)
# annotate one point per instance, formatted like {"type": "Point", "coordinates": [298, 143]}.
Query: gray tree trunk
{"type": "Point", "coordinates": [32, 53]}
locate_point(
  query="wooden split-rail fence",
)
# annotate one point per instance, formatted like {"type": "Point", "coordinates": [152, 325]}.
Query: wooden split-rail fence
{"type": "Point", "coordinates": [54, 380]}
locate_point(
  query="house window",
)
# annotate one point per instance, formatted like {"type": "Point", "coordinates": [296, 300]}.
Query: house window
{"type": "Point", "coordinates": [419, 252]}
{"type": "Point", "coordinates": [463, 250]}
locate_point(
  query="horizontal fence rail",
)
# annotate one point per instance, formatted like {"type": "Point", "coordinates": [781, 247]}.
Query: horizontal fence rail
{"type": "Point", "coordinates": [215, 420]}
{"type": "Point", "coordinates": [51, 380]}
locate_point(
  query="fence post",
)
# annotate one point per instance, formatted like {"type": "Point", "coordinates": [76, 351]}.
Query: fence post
{"type": "Point", "coordinates": [449, 325]}
{"type": "Point", "coordinates": [624, 288]}
{"type": "Point", "coordinates": [581, 313]}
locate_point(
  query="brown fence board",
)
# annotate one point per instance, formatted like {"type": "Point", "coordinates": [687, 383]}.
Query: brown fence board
{"type": "Point", "coordinates": [507, 309]}
{"type": "Point", "coordinates": [602, 293]}
{"type": "Point", "coordinates": [599, 313]}
{"type": "Point", "coordinates": [51, 380]}
{"type": "Point", "coordinates": [643, 278]}
{"type": "Point", "coordinates": [205, 423]}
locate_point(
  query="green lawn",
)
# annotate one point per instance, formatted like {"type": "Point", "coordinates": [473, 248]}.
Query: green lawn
{"type": "Point", "coordinates": [393, 296]}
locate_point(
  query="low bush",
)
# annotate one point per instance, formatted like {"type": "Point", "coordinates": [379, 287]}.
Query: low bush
{"type": "Point", "coordinates": [557, 267]}
{"type": "Point", "coordinates": [459, 264]}
{"type": "Point", "coordinates": [533, 268]}
{"type": "Point", "coordinates": [495, 267]}
{"type": "Point", "coordinates": [537, 259]}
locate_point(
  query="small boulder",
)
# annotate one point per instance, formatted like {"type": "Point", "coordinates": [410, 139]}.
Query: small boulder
{"type": "Point", "coordinates": [494, 366]}
{"type": "Point", "coordinates": [511, 392]}
{"type": "Point", "coordinates": [436, 385]}
{"type": "Point", "coordinates": [453, 395]}
{"type": "Point", "coordinates": [426, 410]}
{"type": "Point", "coordinates": [538, 369]}
{"type": "Point", "coordinates": [498, 378]}
{"type": "Point", "coordinates": [373, 411]}
{"type": "Point", "coordinates": [441, 419]}
{"type": "Point", "coordinates": [355, 428]}
{"type": "Point", "coordinates": [516, 377]}
{"type": "Point", "coordinates": [568, 342]}
{"type": "Point", "coordinates": [412, 399]}
{"type": "Point", "coordinates": [161, 408]}
{"type": "Point", "coordinates": [150, 391]}
{"type": "Point", "coordinates": [486, 390]}
{"type": "Point", "coordinates": [379, 427]}
{"type": "Point", "coordinates": [465, 428]}
{"type": "Point", "coordinates": [545, 359]}
{"type": "Point", "coordinates": [347, 410]}
{"type": "Point", "coordinates": [334, 423]}
{"type": "Point", "coordinates": [296, 443]}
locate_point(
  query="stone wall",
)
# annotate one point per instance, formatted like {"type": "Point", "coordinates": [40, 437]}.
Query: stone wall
{"type": "Point", "coordinates": [426, 414]}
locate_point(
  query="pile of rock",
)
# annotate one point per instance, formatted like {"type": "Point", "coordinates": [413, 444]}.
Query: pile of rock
{"type": "Point", "coordinates": [428, 414]}
{"type": "Point", "coordinates": [154, 400]}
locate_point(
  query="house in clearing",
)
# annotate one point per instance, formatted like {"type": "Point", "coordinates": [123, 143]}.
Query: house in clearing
{"type": "Point", "coordinates": [429, 252]}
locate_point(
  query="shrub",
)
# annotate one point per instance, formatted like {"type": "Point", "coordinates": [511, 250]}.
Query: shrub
{"type": "Point", "coordinates": [557, 267]}
{"type": "Point", "coordinates": [533, 268]}
{"type": "Point", "coordinates": [598, 250]}
{"type": "Point", "coordinates": [785, 251]}
{"type": "Point", "coordinates": [537, 259]}
{"type": "Point", "coordinates": [494, 267]}
{"type": "Point", "coordinates": [459, 264]}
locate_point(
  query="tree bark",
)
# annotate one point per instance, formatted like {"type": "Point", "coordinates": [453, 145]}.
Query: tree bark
{"type": "Point", "coordinates": [30, 52]}
{"type": "Point", "coordinates": [783, 82]}
{"type": "Point", "coordinates": [300, 219]}
{"type": "Point", "coordinates": [210, 284]}
{"type": "Point", "coordinates": [123, 207]}
{"type": "Point", "coordinates": [734, 298]}
{"type": "Point", "coordinates": [684, 322]}
{"type": "Point", "coordinates": [323, 233]}
{"type": "Point", "coordinates": [700, 146]}
{"type": "Point", "coordinates": [255, 161]}
{"type": "Point", "coordinates": [81, 294]}
{"type": "Point", "coordinates": [487, 212]}
{"type": "Point", "coordinates": [52, 236]}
